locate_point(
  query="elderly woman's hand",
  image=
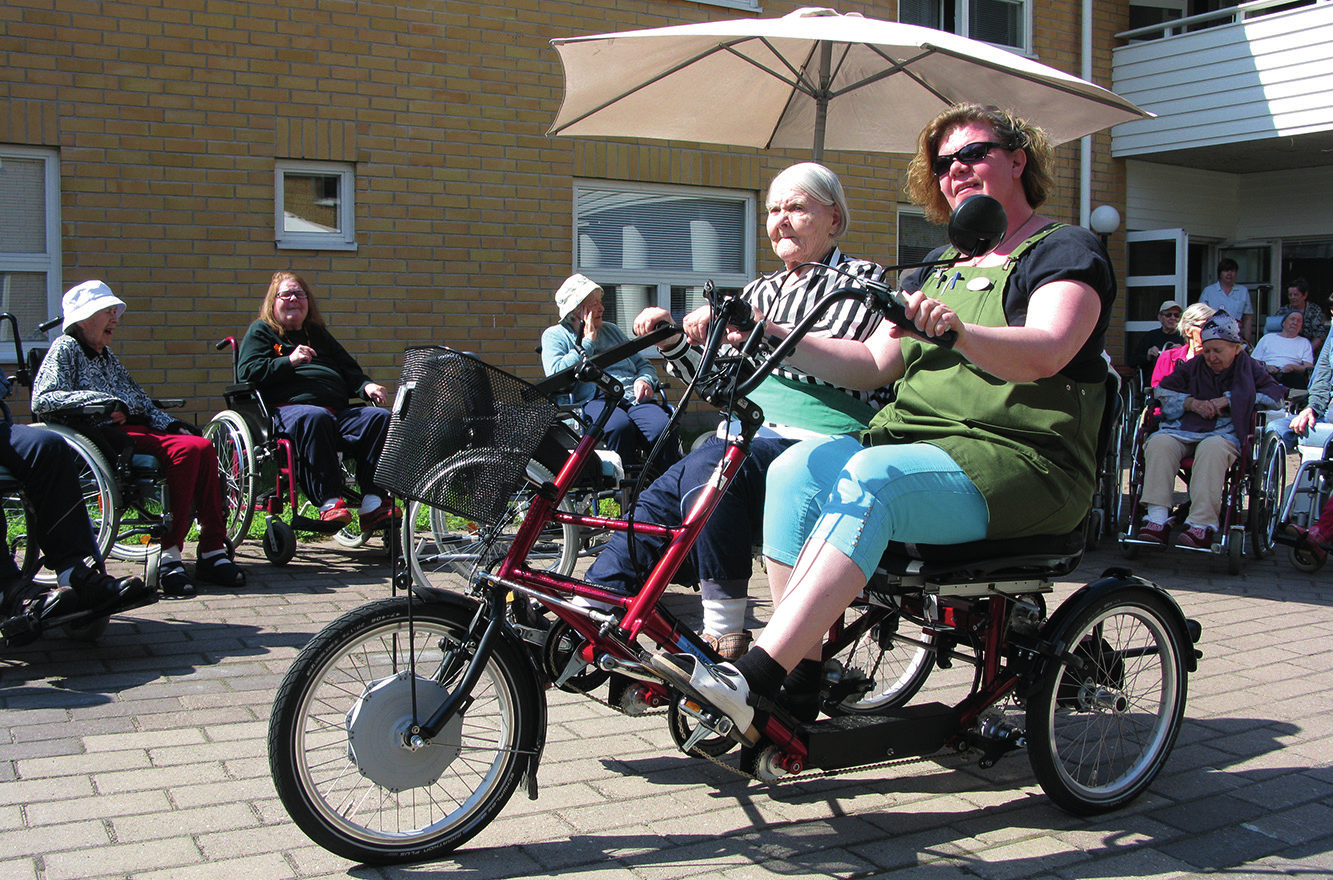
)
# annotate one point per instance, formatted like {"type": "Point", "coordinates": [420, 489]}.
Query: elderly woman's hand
{"type": "Point", "coordinates": [376, 393]}
{"type": "Point", "coordinates": [643, 390]}
{"type": "Point", "coordinates": [1209, 409]}
{"type": "Point", "coordinates": [695, 324]}
{"type": "Point", "coordinates": [1303, 421]}
{"type": "Point", "coordinates": [648, 320]}
{"type": "Point", "coordinates": [302, 354]}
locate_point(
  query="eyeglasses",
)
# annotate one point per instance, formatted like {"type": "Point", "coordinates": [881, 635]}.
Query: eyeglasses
{"type": "Point", "coordinates": [968, 155]}
{"type": "Point", "coordinates": [291, 294]}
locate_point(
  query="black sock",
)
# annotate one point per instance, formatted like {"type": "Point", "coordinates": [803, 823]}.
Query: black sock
{"type": "Point", "coordinates": [805, 678]}
{"type": "Point", "coordinates": [761, 672]}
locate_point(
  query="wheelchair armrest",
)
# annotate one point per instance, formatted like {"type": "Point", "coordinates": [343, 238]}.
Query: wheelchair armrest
{"type": "Point", "coordinates": [79, 413]}
{"type": "Point", "coordinates": [168, 402]}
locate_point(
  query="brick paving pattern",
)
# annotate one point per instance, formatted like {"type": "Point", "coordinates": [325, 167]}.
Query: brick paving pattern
{"type": "Point", "coordinates": [143, 755]}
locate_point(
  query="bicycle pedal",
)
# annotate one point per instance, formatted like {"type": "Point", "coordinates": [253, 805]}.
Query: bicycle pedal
{"type": "Point", "coordinates": [710, 722]}
{"type": "Point", "coordinates": [21, 629]}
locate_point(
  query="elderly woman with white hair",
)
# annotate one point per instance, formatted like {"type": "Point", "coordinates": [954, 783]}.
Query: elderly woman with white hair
{"type": "Point", "coordinates": [1207, 406]}
{"type": "Point", "coordinates": [639, 419]}
{"type": "Point", "coordinates": [81, 369]}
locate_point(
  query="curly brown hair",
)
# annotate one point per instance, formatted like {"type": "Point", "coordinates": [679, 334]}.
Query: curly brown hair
{"type": "Point", "coordinates": [923, 186]}
{"type": "Point", "coordinates": [312, 316]}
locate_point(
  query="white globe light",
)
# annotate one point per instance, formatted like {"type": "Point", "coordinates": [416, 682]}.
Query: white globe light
{"type": "Point", "coordinates": [1104, 220]}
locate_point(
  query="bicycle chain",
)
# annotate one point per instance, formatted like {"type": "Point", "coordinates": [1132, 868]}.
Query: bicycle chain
{"type": "Point", "coordinates": [804, 775]}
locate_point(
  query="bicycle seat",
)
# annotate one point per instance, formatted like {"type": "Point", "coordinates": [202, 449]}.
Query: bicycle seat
{"type": "Point", "coordinates": [1044, 555]}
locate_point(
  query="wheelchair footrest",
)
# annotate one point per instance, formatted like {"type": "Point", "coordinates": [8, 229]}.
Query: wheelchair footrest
{"type": "Point", "coordinates": [306, 524]}
{"type": "Point", "coordinates": [853, 740]}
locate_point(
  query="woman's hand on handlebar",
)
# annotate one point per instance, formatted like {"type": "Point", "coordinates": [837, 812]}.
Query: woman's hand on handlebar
{"type": "Point", "coordinates": [930, 316]}
{"type": "Point", "coordinates": [648, 321]}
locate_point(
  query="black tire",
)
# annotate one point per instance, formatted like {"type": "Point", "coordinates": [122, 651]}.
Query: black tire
{"type": "Point", "coordinates": [1234, 542]}
{"type": "Point", "coordinates": [1101, 721]}
{"type": "Point", "coordinates": [897, 669]}
{"type": "Point", "coordinates": [338, 759]}
{"type": "Point", "coordinates": [1302, 559]}
{"type": "Point", "coordinates": [235, 446]}
{"type": "Point", "coordinates": [1266, 502]}
{"type": "Point", "coordinates": [279, 542]}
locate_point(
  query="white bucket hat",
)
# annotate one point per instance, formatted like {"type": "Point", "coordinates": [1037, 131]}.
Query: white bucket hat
{"type": "Point", "coordinates": [86, 300]}
{"type": "Point", "coordinates": [573, 292]}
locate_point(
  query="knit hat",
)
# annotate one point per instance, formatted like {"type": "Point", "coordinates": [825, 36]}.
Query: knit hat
{"type": "Point", "coordinates": [573, 292]}
{"type": "Point", "coordinates": [1221, 326]}
{"type": "Point", "coordinates": [87, 299]}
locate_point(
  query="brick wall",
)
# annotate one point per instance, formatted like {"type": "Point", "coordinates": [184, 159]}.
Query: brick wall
{"type": "Point", "coordinates": [168, 119]}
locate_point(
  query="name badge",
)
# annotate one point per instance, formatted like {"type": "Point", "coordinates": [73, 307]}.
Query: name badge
{"type": "Point", "coordinates": [979, 284]}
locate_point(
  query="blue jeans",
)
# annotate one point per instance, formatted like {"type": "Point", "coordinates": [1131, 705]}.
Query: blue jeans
{"type": "Point", "coordinates": [631, 431]}
{"type": "Point", "coordinates": [859, 498]}
{"type": "Point", "coordinates": [318, 435]}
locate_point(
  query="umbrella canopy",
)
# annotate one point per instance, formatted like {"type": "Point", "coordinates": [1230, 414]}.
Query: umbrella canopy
{"type": "Point", "coordinates": [811, 78]}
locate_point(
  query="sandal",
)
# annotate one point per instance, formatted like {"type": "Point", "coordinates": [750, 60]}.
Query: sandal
{"type": "Point", "coordinates": [219, 570]}
{"type": "Point", "coordinates": [175, 583]}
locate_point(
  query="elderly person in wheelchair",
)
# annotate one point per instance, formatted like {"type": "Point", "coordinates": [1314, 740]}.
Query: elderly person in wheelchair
{"type": "Point", "coordinates": [307, 378]}
{"type": "Point", "coordinates": [1207, 402]}
{"type": "Point", "coordinates": [80, 370]}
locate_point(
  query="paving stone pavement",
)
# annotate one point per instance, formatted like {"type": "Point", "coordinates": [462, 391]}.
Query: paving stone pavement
{"type": "Point", "coordinates": [143, 755]}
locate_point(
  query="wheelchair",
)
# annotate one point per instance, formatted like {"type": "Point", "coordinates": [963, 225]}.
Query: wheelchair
{"type": "Point", "coordinates": [106, 506]}
{"type": "Point", "coordinates": [1311, 488]}
{"type": "Point", "coordinates": [258, 471]}
{"type": "Point", "coordinates": [126, 493]}
{"type": "Point", "coordinates": [1251, 497]}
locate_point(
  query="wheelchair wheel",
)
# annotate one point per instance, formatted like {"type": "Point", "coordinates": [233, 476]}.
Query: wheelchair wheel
{"type": "Point", "coordinates": [1102, 719]}
{"type": "Point", "coordinates": [279, 542]}
{"type": "Point", "coordinates": [444, 550]}
{"type": "Point", "coordinates": [1302, 559]}
{"type": "Point", "coordinates": [1266, 500]}
{"type": "Point", "coordinates": [235, 446]}
{"type": "Point", "coordinates": [351, 537]}
{"type": "Point", "coordinates": [878, 670]}
{"type": "Point", "coordinates": [101, 494]}
{"type": "Point", "coordinates": [27, 556]}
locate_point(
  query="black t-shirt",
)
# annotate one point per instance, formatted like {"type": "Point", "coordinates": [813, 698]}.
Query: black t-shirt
{"type": "Point", "coordinates": [1070, 253]}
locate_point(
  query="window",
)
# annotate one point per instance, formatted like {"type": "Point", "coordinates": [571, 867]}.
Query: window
{"type": "Point", "coordinates": [1002, 22]}
{"type": "Point", "coordinates": [917, 237]}
{"type": "Point", "coordinates": [314, 205]}
{"type": "Point", "coordinates": [655, 245]}
{"type": "Point", "coordinates": [29, 240]}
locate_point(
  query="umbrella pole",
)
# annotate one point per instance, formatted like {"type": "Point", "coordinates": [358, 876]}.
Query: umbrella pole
{"type": "Point", "coordinates": [821, 98]}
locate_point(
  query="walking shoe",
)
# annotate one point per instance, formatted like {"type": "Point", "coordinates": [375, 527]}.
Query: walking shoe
{"type": "Point", "coordinates": [176, 583]}
{"type": "Point", "coordinates": [220, 570]}
{"type": "Point", "coordinates": [731, 645]}
{"type": "Point", "coordinates": [98, 590]}
{"type": "Point", "coordinates": [1155, 532]}
{"type": "Point", "coordinates": [338, 513]}
{"type": "Point", "coordinates": [721, 686]}
{"type": "Point", "coordinates": [380, 516]}
{"type": "Point", "coordinates": [1198, 537]}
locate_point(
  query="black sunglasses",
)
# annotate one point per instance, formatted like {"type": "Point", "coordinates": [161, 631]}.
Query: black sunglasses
{"type": "Point", "coordinates": [968, 155]}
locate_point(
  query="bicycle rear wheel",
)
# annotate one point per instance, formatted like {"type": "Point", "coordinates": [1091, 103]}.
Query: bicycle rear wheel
{"type": "Point", "coordinates": [445, 550]}
{"type": "Point", "coordinates": [338, 740]}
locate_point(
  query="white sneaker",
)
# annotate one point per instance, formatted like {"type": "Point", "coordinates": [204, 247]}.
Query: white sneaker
{"type": "Point", "coordinates": [721, 686]}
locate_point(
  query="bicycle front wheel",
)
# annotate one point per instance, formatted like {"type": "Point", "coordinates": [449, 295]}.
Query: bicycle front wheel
{"type": "Point", "coordinates": [340, 748]}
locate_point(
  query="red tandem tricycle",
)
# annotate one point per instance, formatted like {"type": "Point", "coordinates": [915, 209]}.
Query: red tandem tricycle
{"type": "Point", "coordinates": [403, 727]}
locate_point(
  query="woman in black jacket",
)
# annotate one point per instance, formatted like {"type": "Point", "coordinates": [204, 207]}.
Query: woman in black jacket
{"type": "Point", "coordinates": [307, 377]}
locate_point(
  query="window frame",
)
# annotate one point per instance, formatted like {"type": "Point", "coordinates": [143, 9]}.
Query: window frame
{"type": "Point", "coordinates": [342, 240]}
{"type": "Point", "coordinates": [658, 281]}
{"type": "Point", "coordinates": [50, 261]}
{"type": "Point", "coordinates": [962, 14]}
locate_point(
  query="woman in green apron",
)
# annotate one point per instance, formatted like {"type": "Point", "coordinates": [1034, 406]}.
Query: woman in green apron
{"type": "Point", "coordinates": [994, 438]}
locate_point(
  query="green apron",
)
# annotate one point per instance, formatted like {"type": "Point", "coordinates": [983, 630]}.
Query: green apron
{"type": "Point", "coordinates": [1028, 447]}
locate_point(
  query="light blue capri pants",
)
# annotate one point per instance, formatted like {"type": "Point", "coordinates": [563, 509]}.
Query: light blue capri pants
{"type": "Point", "coordinates": [859, 498]}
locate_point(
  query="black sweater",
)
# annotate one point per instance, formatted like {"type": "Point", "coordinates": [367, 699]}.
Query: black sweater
{"type": "Point", "coordinates": [328, 380]}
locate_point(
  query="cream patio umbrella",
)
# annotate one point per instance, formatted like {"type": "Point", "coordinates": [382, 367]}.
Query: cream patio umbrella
{"type": "Point", "coordinates": [812, 78]}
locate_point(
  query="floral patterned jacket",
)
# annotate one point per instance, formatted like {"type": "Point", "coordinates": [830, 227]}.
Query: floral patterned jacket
{"type": "Point", "coordinates": [72, 374]}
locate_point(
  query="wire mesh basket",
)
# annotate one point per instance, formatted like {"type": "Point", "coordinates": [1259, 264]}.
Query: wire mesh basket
{"type": "Point", "coordinates": [461, 434]}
